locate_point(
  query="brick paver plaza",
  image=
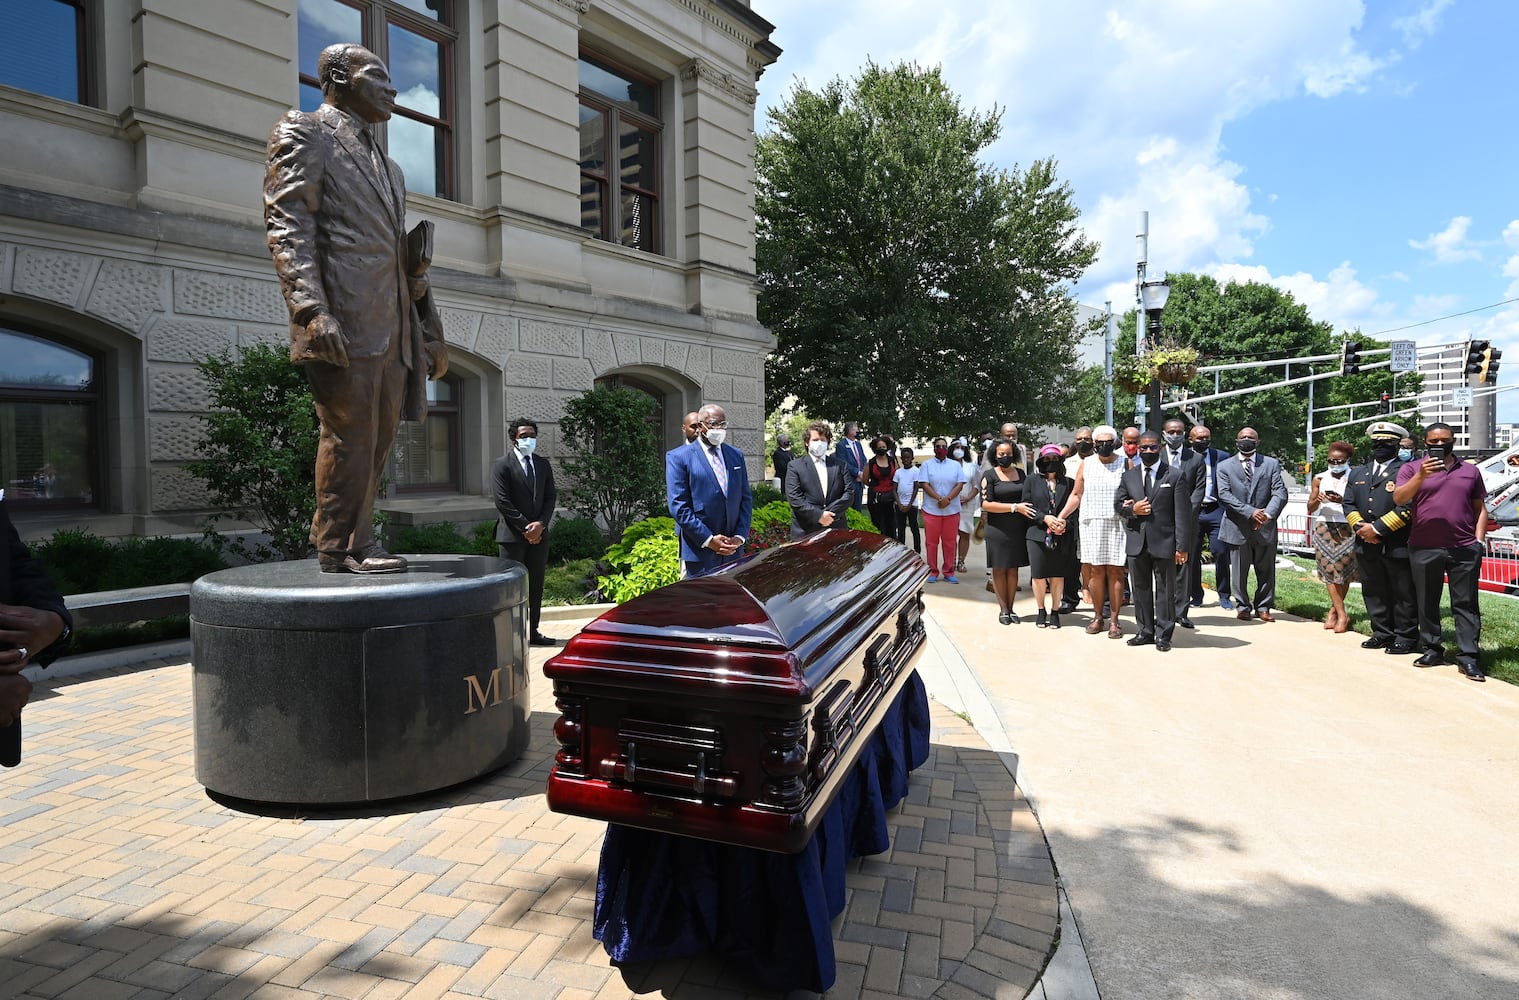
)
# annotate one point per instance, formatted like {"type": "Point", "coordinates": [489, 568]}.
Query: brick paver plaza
{"type": "Point", "coordinates": [122, 878]}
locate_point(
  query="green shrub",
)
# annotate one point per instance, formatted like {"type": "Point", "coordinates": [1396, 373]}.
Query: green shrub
{"type": "Point", "coordinates": [646, 558]}
{"type": "Point", "coordinates": [428, 538]}
{"type": "Point", "coordinates": [482, 539]}
{"type": "Point", "coordinates": [74, 560]}
{"type": "Point", "coordinates": [765, 494]}
{"type": "Point", "coordinates": [572, 582]}
{"type": "Point", "coordinates": [81, 563]}
{"type": "Point", "coordinates": [858, 520]}
{"type": "Point", "coordinates": [575, 538]}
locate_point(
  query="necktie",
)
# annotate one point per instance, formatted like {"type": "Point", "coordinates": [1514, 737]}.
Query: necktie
{"type": "Point", "coordinates": [1377, 470]}
{"type": "Point", "coordinates": [1249, 464]}
{"type": "Point", "coordinates": [1149, 480]}
{"type": "Point", "coordinates": [530, 473]}
{"type": "Point", "coordinates": [1211, 491]}
{"type": "Point", "coordinates": [716, 459]}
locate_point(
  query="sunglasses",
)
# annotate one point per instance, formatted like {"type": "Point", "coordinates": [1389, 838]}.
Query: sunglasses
{"type": "Point", "coordinates": [1149, 447]}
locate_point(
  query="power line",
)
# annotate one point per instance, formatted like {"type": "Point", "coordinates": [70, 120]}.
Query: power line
{"type": "Point", "coordinates": [1441, 319]}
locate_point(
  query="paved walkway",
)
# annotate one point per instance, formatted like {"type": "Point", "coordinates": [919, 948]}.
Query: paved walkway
{"type": "Point", "coordinates": [1266, 811]}
{"type": "Point", "coordinates": [120, 877]}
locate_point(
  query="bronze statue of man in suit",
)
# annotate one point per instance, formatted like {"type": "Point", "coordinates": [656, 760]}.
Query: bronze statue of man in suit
{"type": "Point", "coordinates": [335, 211]}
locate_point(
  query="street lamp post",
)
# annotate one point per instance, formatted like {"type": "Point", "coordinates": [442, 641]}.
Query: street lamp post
{"type": "Point", "coordinates": [1154, 294]}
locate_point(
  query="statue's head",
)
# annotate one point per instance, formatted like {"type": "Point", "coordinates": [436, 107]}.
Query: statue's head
{"type": "Point", "coordinates": [355, 80]}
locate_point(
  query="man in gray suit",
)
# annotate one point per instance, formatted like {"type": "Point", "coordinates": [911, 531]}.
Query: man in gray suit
{"type": "Point", "coordinates": [335, 212]}
{"type": "Point", "coordinates": [1155, 501]}
{"type": "Point", "coordinates": [814, 505]}
{"type": "Point", "coordinates": [1251, 488]}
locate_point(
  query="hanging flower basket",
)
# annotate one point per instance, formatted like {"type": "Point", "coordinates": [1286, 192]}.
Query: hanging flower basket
{"type": "Point", "coordinates": [1132, 374]}
{"type": "Point", "coordinates": [1131, 385]}
{"type": "Point", "coordinates": [1176, 373]}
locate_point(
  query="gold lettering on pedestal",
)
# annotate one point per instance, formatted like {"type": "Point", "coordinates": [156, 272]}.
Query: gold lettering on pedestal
{"type": "Point", "coordinates": [477, 697]}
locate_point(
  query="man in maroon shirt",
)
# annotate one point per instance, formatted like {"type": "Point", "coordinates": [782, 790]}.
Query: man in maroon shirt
{"type": "Point", "coordinates": [1446, 542]}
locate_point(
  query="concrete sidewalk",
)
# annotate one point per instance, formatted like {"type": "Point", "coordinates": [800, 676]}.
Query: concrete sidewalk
{"type": "Point", "coordinates": [122, 878]}
{"type": "Point", "coordinates": [1265, 811]}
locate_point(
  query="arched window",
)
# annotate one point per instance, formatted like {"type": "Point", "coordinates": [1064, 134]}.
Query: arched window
{"type": "Point", "coordinates": [49, 422]}
{"type": "Point", "coordinates": [426, 455]}
{"type": "Point", "coordinates": [654, 392]}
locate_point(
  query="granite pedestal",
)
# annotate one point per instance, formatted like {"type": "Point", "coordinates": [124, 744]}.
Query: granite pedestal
{"type": "Point", "coordinates": [328, 688]}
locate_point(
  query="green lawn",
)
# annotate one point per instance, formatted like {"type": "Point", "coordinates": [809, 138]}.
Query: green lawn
{"type": "Point", "coordinates": [1302, 594]}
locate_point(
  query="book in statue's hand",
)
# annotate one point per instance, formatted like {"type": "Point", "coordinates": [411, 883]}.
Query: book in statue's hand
{"type": "Point", "coordinates": [419, 248]}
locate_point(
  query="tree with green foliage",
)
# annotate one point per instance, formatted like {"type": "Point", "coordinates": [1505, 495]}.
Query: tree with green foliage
{"type": "Point", "coordinates": [258, 455]}
{"type": "Point", "coordinates": [910, 285]}
{"type": "Point", "coordinates": [614, 470]}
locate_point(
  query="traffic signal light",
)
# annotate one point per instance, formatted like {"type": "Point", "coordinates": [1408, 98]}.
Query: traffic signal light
{"type": "Point", "coordinates": [1488, 370]}
{"type": "Point", "coordinates": [1386, 406]}
{"type": "Point", "coordinates": [1350, 358]}
{"type": "Point", "coordinates": [1475, 349]}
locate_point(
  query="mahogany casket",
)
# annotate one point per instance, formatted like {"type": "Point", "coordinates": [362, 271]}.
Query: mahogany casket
{"type": "Point", "coordinates": [731, 707]}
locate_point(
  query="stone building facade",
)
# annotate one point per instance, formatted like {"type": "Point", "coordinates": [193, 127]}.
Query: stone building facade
{"type": "Point", "coordinates": [588, 165]}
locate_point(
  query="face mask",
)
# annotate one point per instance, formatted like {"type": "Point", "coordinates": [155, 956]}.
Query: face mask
{"type": "Point", "coordinates": [879, 451]}
{"type": "Point", "coordinates": [1131, 449]}
{"type": "Point", "coordinates": [1084, 447]}
{"type": "Point", "coordinates": [716, 436]}
{"type": "Point", "coordinates": [1173, 441]}
{"type": "Point", "coordinates": [1246, 446]}
{"type": "Point", "coordinates": [1383, 451]}
{"type": "Point", "coordinates": [1444, 450]}
{"type": "Point", "coordinates": [940, 452]}
{"type": "Point", "coordinates": [957, 453]}
{"type": "Point", "coordinates": [1338, 468]}
{"type": "Point", "coordinates": [1051, 465]}
{"type": "Point", "coordinates": [527, 445]}
{"type": "Point", "coordinates": [1405, 454]}
{"type": "Point", "coordinates": [1105, 448]}
{"type": "Point", "coordinates": [1005, 461]}
{"type": "Point", "coordinates": [1149, 458]}
{"type": "Point", "coordinates": [817, 448]}
{"type": "Point", "coordinates": [1201, 444]}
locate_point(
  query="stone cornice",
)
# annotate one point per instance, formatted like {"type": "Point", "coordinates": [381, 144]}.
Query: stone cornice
{"type": "Point", "coordinates": [738, 22]}
{"type": "Point", "coordinates": [578, 6]}
{"type": "Point", "coordinates": [701, 69]}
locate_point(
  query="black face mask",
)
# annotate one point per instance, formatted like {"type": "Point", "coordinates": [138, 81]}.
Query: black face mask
{"type": "Point", "coordinates": [1005, 461]}
{"type": "Point", "coordinates": [1201, 444]}
{"type": "Point", "coordinates": [1051, 465]}
{"type": "Point", "coordinates": [1084, 447]}
{"type": "Point", "coordinates": [1246, 446]}
{"type": "Point", "coordinates": [1383, 451]}
{"type": "Point", "coordinates": [1149, 458]}
{"type": "Point", "coordinates": [1105, 448]}
{"type": "Point", "coordinates": [880, 451]}
{"type": "Point", "coordinates": [1443, 450]}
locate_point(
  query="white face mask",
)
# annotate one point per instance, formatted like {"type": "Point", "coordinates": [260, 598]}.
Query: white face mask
{"type": "Point", "coordinates": [957, 453]}
{"type": "Point", "coordinates": [716, 436]}
{"type": "Point", "coordinates": [1338, 468]}
{"type": "Point", "coordinates": [817, 448]}
{"type": "Point", "coordinates": [527, 445]}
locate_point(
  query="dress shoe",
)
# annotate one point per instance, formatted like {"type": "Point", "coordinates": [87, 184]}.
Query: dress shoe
{"type": "Point", "coordinates": [539, 639]}
{"type": "Point", "coordinates": [1185, 623]}
{"type": "Point", "coordinates": [1399, 649]}
{"type": "Point", "coordinates": [1194, 604]}
{"type": "Point", "coordinates": [1162, 646]}
{"type": "Point", "coordinates": [1243, 615]}
{"type": "Point", "coordinates": [1431, 658]}
{"type": "Point", "coordinates": [1225, 603]}
{"type": "Point", "coordinates": [378, 562]}
{"type": "Point", "coordinates": [1004, 619]}
{"type": "Point", "coordinates": [1066, 608]}
{"type": "Point", "coordinates": [1141, 640]}
{"type": "Point", "coordinates": [1375, 643]}
{"type": "Point", "coordinates": [1473, 671]}
{"type": "Point", "coordinates": [1265, 616]}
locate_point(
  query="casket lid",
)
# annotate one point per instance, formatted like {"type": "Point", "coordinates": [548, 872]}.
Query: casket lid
{"type": "Point", "coordinates": [778, 597]}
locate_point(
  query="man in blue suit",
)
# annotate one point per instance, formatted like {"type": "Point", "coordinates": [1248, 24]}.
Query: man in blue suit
{"type": "Point", "coordinates": [852, 454]}
{"type": "Point", "coordinates": [1210, 516]}
{"type": "Point", "coordinates": [707, 483]}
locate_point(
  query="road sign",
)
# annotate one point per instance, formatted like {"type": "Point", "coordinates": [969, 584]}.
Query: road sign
{"type": "Point", "coordinates": [1461, 396]}
{"type": "Point", "coordinates": [1405, 356]}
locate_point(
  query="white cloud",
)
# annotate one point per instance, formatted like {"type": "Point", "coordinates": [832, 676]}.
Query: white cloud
{"type": "Point", "coordinates": [1450, 244]}
{"type": "Point", "coordinates": [1131, 100]}
{"type": "Point", "coordinates": [1340, 299]}
{"type": "Point", "coordinates": [1511, 234]}
{"type": "Point", "coordinates": [1422, 24]}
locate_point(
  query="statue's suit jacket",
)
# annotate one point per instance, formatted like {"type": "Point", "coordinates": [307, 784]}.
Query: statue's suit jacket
{"type": "Point", "coordinates": [337, 230]}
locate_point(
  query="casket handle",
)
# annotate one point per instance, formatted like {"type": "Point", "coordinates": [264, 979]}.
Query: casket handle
{"type": "Point", "coordinates": [701, 744]}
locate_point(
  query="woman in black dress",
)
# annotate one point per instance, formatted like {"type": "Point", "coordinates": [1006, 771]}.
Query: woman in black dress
{"type": "Point", "coordinates": [1005, 516]}
{"type": "Point", "coordinates": [1050, 551]}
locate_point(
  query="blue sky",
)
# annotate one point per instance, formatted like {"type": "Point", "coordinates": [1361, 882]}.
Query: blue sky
{"type": "Point", "coordinates": [1362, 156]}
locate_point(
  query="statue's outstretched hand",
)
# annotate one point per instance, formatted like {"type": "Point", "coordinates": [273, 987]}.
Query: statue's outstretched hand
{"type": "Point", "coordinates": [325, 341]}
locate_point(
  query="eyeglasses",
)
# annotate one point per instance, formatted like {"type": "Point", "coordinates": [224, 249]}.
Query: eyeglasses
{"type": "Point", "coordinates": [1149, 447]}
{"type": "Point", "coordinates": [715, 425]}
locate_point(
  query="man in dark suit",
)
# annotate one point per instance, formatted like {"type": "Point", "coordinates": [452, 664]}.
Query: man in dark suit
{"type": "Point", "coordinates": [707, 483]}
{"type": "Point", "coordinates": [852, 454]}
{"type": "Point", "coordinates": [1156, 505]}
{"type": "Point", "coordinates": [1251, 488]}
{"type": "Point", "coordinates": [1175, 453]}
{"type": "Point", "coordinates": [335, 213]}
{"type": "Point", "coordinates": [782, 458]}
{"type": "Point", "coordinates": [817, 486]}
{"type": "Point", "coordinates": [525, 499]}
{"type": "Point", "coordinates": [1210, 515]}
{"type": "Point", "coordinates": [1381, 527]}
{"type": "Point", "coordinates": [34, 629]}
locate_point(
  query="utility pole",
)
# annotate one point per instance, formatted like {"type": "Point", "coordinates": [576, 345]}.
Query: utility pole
{"type": "Point", "coordinates": [1108, 337]}
{"type": "Point", "coordinates": [1141, 400]}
